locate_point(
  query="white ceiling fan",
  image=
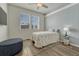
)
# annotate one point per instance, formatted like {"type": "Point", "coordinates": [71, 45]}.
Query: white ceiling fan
{"type": "Point", "coordinates": [40, 5]}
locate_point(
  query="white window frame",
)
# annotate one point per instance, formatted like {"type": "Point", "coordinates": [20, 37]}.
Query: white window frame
{"type": "Point", "coordinates": [38, 26]}
{"type": "Point", "coordinates": [28, 21]}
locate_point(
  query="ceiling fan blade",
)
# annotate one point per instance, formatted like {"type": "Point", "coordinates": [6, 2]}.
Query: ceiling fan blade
{"type": "Point", "coordinates": [44, 6]}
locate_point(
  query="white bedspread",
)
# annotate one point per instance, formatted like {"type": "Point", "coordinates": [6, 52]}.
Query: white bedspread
{"type": "Point", "coordinates": [45, 38]}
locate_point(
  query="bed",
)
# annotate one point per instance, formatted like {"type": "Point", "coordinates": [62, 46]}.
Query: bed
{"type": "Point", "coordinates": [44, 38]}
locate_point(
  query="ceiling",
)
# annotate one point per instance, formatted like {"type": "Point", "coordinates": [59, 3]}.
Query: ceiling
{"type": "Point", "coordinates": [51, 7]}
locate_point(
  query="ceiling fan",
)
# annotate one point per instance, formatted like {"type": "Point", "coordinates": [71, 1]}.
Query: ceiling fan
{"type": "Point", "coordinates": [40, 5]}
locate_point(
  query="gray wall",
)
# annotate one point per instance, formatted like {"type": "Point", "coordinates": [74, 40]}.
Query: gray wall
{"type": "Point", "coordinates": [14, 25]}
{"type": "Point", "coordinates": [69, 16]}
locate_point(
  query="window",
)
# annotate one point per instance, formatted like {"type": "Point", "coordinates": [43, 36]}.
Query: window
{"type": "Point", "coordinates": [35, 22]}
{"type": "Point", "coordinates": [24, 21]}
{"type": "Point", "coordinates": [27, 21]}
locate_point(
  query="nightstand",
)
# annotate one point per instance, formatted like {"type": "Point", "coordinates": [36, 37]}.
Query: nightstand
{"type": "Point", "coordinates": [66, 40]}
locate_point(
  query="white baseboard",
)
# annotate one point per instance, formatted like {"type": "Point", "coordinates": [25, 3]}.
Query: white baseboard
{"type": "Point", "coordinates": [74, 45]}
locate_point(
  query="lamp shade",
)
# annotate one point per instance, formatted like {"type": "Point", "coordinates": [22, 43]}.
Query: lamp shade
{"type": "Point", "coordinates": [66, 29]}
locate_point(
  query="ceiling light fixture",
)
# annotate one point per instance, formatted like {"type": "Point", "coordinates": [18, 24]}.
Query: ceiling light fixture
{"type": "Point", "coordinates": [39, 5]}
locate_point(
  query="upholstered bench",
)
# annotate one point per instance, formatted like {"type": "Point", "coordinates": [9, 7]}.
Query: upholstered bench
{"type": "Point", "coordinates": [11, 47]}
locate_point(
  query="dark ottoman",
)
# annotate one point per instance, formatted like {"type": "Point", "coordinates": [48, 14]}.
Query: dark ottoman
{"type": "Point", "coordinates": [11, 46]}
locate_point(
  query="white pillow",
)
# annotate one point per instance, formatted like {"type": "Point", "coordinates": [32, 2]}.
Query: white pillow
{"type": "Point", "coordinates": [3, 33]}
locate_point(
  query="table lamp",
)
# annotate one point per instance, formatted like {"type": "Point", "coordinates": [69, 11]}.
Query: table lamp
{"type": "Point", "coordinates": [66, 29]}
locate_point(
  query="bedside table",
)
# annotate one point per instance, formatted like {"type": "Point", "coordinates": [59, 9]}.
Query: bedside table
{"type": "Point", "coordinates": [66, 40]}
